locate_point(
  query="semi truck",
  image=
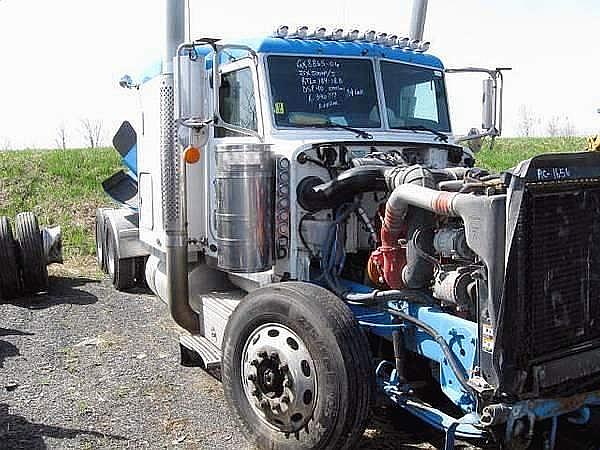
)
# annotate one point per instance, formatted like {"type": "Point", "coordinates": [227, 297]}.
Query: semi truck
{"type": "Point", "coordinates": [302, 205]}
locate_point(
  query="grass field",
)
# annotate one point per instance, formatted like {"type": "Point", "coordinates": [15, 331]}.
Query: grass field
{"type": "Point", "coordinates": [63, 187]}
{"type": "Point", "coordinates": [508, 152]}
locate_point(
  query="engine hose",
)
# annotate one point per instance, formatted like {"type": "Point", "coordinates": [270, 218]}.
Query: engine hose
{"type": "Point", "coordinates": [362, 215]}
{"type": "Point", "coordinates": [418, 271]}
{"type": "Point", "coordinates": [314, 195]}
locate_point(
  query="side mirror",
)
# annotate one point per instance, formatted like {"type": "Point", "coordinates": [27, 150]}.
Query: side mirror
{"type": "Point", "coordinates": [488, 119]}
{"type": "Point", "coordinates": [191, 88]}
{"type": "Point", "coordinates": [126, 82]}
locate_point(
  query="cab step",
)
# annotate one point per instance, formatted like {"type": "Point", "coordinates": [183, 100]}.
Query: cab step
{"type": "Point", "coordinates": [198, 351]}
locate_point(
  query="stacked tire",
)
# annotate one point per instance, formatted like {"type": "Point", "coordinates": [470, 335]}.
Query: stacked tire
{"type": "Point", "coordinates": [23, 268]}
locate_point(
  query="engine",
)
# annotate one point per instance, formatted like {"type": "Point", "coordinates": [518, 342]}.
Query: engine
{"type": "Point", "coordinates": [399, 244]}
{"type": "Point", "coordinates": [516, 254]}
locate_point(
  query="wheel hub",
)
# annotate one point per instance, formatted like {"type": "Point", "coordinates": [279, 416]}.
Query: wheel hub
{"type": "Point", "coordinates": [279, 377]}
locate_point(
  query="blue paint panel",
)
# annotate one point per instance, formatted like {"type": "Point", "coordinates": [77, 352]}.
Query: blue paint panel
{"type": "Point", "coordinates": [311, 47]}
{"type": "Point", "coordinates": [341, 48]}
{"type": "Point", "coordinates": [130, 160]}
{"type": "Point", "coordinates": [151, 72]}
{"type": "Point", "coordinates": [460, 334]}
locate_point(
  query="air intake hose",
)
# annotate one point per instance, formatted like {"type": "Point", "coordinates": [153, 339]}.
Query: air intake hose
{"type": "Point", "coordinates": [418, 271]}
{"type": "Point", "coordinates": [314, 195]}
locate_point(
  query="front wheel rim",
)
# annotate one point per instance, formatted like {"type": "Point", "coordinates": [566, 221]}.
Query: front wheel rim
{"type": "Point", "coordinates": [279, 377]}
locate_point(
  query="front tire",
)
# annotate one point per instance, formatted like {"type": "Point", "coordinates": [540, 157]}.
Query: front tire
{"type": "Point", "coordinates": [297, 369]}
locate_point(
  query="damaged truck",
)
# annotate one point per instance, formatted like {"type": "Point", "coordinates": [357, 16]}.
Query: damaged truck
{"type": "Point", "coordinates": [301, 203]}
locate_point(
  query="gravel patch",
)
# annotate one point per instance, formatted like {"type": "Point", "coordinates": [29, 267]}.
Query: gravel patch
{"type": "Point", "coordinates": [87, 367]}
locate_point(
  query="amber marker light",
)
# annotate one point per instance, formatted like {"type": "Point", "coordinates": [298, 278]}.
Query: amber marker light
{"type": "Point", "coordinates": [191, 155]}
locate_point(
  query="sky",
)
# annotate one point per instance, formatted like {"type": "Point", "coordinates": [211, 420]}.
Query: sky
{"type": "Point", "coordinates": [61, 59]}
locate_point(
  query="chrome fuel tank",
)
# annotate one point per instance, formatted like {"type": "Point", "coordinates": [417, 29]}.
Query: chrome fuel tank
{"type": "Point", "coordinates": [244, 207]}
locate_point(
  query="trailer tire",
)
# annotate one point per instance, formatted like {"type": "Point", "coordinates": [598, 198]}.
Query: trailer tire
{"type": "Point", "coordinates": [120, 270]}
{"type": "Point", "coordinates": [101, 240]}
{"type": "Point", "coordinates": [34, 271]}
{"type": "Point", "coordinates": [10, 283]}
{"type": "Point", "coordinates": [301, 342]}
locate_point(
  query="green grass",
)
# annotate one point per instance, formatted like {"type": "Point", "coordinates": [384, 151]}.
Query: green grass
{"type": "Point", "coordinates": [507, 152]}
{"type": "Point", "coordinates": [62, 187]}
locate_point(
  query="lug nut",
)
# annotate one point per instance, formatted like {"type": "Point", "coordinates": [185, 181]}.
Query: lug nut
{"type": "Point", "coordinates": [264, 404]}
{"type": "Point", "coordinates": [254, 362]}
{"type": "Point", "coordinates": [283, 367]}
{"type": "Point", "coordinates": [251, 377]}
{"type": "Point", "coordinates": [274, 356]}
{"type": "Point", "coordinates": [285, 399]}
{"type": "Point", "coordinates": [262, 354]}
{"type": "Point", "coordinates": [287, 383]}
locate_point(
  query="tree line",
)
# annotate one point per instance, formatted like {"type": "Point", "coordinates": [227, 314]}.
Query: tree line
{"type": "Point", "coordinates": [90, 130]}
{"type": "Point", "coordinates": [531, 124]}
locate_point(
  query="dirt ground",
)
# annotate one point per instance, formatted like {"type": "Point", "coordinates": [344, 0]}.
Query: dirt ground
{"type": "Point", "coordinates": [86, 367]}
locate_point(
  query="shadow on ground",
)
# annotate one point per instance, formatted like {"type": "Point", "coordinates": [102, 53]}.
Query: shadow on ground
{"type": "Point", "coordinates": [62, 291]}
{"type": "Point", "coordinates": [16, 432]}
{"type": "Point", "coordinates": [391, 428]}
{"type": "Point", "coordinates": [7, 349]}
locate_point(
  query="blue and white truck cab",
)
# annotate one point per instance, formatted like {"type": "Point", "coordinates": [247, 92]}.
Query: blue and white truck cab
{"type": "Point", "coordinates": [301, 204]}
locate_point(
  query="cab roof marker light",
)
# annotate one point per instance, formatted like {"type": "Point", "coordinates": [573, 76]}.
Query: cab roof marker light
{"type": "Point", "coordinates": [336, 35]}
{"type": "Point", "coordinates": [391, 40]}
{"type": "Point", "coordinates": [352, 35]}
{"type": "Point", "coordinates": [300, 33]}
{"type": "Point", "coordinates": [319, 33]}
{"type": "Point", "coordinates": [414, 44]}
{"type": "Point", "coordinates": [282, 31]}
{"type": "Point", "coordinates": [381, 38]}
{"type": "Point", "coordinates": [403, 42]}
{"type": "Point", "coordinates": [369, 35]}
{"type": "Point", "coordinates": [423, 46]}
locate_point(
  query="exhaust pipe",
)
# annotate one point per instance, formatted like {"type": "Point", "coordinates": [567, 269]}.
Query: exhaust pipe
{"type": "Point", "coordinates": [417, 22]}
{"type": "Point", "coordinates": [173, 178]}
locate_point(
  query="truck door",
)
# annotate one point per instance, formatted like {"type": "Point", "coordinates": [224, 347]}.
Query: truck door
{"type": "Point", "coordinates": [239, 106]}
{"type": "Point", "coordinates": [238, 102]}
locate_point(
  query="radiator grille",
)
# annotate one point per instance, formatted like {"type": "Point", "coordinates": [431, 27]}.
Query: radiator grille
{"type": "Point", "coordinates": [561, 223]}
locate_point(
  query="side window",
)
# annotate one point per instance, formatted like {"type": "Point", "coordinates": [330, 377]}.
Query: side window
{"type": "Point", "coordinates": [426, 104]}
{"type": "Point", "coordinates": [237, 103]}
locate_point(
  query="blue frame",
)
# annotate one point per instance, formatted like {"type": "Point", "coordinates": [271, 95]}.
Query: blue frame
{"type": "Point", "coordinates": [462, 337]}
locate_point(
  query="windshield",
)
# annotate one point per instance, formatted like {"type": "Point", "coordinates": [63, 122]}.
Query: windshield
{"type": "Point", "coordinates": [320, 91]}
{"type": "Point", "coordinates": [415, 96]}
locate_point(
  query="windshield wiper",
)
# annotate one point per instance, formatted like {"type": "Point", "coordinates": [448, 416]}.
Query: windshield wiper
{"type": "Point", "coordinates": [359, 133]}
{"type": "Point", "coordinates": [440, 136]}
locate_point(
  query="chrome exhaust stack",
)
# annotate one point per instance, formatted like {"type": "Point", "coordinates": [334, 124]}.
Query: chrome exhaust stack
{"type": "Point", "coordinates": [417, 21]}
{"type": "Point", "coordinates": [173, 178]}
